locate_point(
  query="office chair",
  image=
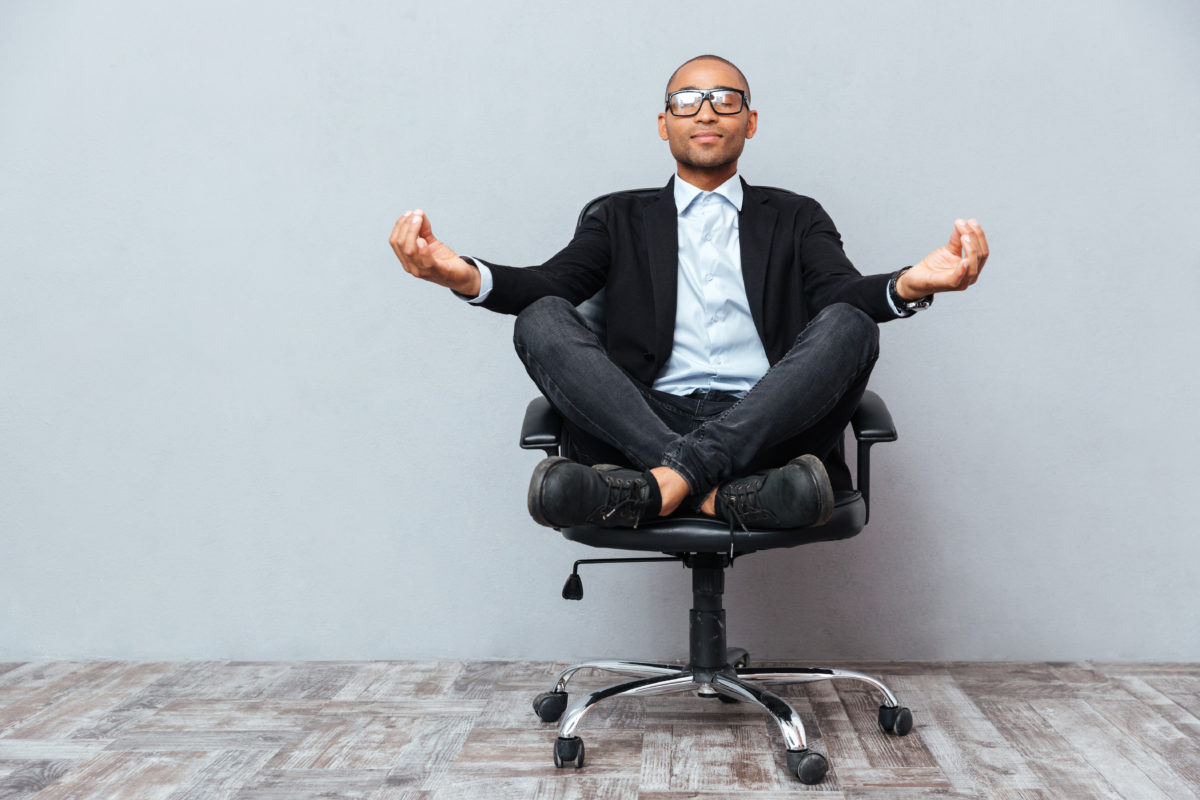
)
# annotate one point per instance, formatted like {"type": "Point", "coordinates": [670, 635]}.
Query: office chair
{"type": "Point", "coordinates": [707, 546]}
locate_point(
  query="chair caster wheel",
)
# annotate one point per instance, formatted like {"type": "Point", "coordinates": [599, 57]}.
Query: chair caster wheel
{"type": "Point", "coordinates": [895, 720]}
{"type": "Point", "coordinates": [549, 706]}
{"type": "Point", "coordinates": [568, 752]}
{"type": "Point", "coordinates": [806, 765]}
{"type": "Point", "coordinates": [741, 658]}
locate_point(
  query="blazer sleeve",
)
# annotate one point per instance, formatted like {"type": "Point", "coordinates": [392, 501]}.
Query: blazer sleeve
{"type": "Point", "coordinates": [830, 278]}
{"type": "Point", "coordinates": [575, 273]}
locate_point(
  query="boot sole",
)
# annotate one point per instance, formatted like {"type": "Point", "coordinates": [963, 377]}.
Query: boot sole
{"type": "Point", "coordinates": [534, 499]}
{"type": "Point", "coordinates": [820, 477]}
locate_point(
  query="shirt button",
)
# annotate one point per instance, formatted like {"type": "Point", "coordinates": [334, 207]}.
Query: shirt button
{"type": "Point", "coordinates": [708, 278]}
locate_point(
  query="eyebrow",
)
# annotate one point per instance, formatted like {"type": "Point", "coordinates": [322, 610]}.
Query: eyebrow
{"type": "Point", "coordinates": [713, 89]}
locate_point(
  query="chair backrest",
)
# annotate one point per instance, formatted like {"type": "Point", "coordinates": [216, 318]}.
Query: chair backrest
{"type": "Point", "coordinates": [591, 207]}
{"type": "Point", "coordinates": [592, 309]}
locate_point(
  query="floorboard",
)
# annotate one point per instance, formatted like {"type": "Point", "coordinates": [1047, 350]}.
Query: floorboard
{"type": "Point", "coordinates": [214, 730]}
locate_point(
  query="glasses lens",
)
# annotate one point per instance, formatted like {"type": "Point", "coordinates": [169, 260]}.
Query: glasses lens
{"type": "Point", "coordinates": [686, 103]}
{"type": "Point", "coordinates": [726, 101]}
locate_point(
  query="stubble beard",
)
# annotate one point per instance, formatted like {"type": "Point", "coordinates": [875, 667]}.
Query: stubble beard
{"type": "Point", "coordinates": [699, 159]}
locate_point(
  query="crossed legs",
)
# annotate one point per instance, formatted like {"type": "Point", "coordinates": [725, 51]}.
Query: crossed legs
{"type": "Point", "coordinates": [801, 405]}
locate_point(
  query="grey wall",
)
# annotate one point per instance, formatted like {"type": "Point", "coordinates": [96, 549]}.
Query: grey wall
{"type": "Point", "coordinates": [232, 426]}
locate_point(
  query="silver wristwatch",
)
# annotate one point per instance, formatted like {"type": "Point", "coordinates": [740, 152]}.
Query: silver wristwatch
{"type": "Point", "coordinates": [907, 307]}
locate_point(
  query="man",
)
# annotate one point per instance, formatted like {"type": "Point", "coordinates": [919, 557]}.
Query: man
{"type": "Point", "coordinates": [738, 337]}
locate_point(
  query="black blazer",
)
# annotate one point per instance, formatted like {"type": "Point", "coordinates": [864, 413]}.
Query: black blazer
{"type": "Point", "coordinates": [793, 265]}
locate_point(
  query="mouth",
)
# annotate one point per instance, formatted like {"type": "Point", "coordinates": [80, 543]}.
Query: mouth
{"type": "Point", "coordinates": [706, 136]}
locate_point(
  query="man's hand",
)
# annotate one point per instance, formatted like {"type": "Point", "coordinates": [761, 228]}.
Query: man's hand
{"type": "Point", "coordinates": [428, 258]}
{"type": "Point", "coordinates": [951, 268]}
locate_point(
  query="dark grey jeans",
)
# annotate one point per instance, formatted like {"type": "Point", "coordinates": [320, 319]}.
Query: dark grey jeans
{"type": "Point", "coordinates": [802, 405]}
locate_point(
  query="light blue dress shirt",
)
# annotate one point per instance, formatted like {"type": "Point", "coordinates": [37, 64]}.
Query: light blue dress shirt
{"type": "Point", "coordinates": [716, 345]}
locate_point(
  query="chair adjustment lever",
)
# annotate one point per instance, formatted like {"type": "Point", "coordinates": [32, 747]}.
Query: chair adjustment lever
{"type": "Point", "coordinates": [573, 588]}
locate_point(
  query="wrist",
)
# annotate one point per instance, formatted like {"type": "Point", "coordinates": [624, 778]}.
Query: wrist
{"type": "Point", "coordinates": [904, 288]}
{"type": "Point", "coordinates": [906, 304]}
{"type": "Point", "coordinates": [469, 284]}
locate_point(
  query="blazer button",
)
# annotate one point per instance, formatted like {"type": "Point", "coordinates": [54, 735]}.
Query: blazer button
{"type": "Point", "coordinates": [648, 356]}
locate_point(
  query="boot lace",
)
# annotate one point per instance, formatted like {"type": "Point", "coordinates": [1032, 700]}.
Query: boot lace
{"type": "Point", "coordinates": [740, 498]}
{"type": "Point", "coordinates": [622, 493]}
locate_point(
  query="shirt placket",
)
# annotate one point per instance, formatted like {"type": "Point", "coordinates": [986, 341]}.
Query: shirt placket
{"type": "Point", "coordinates": [712, 303]}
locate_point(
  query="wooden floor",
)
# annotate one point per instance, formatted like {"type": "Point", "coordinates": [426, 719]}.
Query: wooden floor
{"type": "Point", "coordinates": [424, 730]}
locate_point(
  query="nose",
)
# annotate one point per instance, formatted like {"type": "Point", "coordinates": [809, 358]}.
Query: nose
{"type": "Point", "coordinates": [711, 113]}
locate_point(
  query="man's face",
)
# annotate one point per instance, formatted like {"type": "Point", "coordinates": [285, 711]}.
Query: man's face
{"type": "Point", "coordinates": [707, 141]}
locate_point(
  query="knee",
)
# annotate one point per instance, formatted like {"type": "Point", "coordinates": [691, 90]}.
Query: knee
{"type": "Point", "coordinates": [538, 319]}
{"type": "Point", "coordinates": [855, 326]}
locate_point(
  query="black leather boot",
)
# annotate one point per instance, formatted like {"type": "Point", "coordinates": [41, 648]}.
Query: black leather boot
{"type": "Point", "coordinates": [563, 493]}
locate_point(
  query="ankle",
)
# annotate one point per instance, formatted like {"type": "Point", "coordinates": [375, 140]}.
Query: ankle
{"type": "Point", "coordinates": [709, 506]}
{"type": "Point", "coordinates": [672, 487]}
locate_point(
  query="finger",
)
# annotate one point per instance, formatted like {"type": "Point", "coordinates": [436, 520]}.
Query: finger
{"type": "Point", "coordinates": [970, 262]}
{"type": "Point", "coordinates": [394, 239]}
{"type": "Point", "coordinates": [411, 229]}
{"type": "Point", "coordinates": [955, 243]}
{"type": "Point", "coordinates": [962, 277]}
{"type": "Point", "coordinates": [426, 231]}
{"type": "Point", "coordinates": [980, 240]}
{"type": "Point", "coordinates": [397, 238]}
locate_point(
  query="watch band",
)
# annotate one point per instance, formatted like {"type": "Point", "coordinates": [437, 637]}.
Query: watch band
{"type": "Point", "coordinates": [908, 307]}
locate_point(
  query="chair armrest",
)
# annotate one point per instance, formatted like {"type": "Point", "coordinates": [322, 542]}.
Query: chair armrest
{"type": "Point", "coordinates": [872, 422]}
{"type": "Point", "coordinates": [541, 428]}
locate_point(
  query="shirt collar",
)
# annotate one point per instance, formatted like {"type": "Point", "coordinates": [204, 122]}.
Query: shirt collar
{"type": "Point", "coordinates": [686, 194]}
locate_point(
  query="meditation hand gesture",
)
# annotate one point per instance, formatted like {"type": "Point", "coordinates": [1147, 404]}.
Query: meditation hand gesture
{"type": "Point", "coordinates": [951, 268]}
{"type": "Point", "coordinates": [430, 259]}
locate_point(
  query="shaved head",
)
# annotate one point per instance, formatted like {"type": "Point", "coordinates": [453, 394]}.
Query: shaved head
{"type": "Point", "coordinates": [709, 57]}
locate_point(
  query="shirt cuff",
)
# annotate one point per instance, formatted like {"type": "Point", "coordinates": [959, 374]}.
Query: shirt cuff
{"type": "Point", "coordinates": [485, 281]}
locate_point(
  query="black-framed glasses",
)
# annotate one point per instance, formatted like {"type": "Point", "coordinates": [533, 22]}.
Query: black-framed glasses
{"type": "Point", "coordinates": [687, 102]}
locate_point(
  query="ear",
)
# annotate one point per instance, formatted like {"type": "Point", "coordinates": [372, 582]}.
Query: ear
{"type": "Point", "coordinates": [662, 125]}
{"type": "Point", "coordinates": [752, 124]}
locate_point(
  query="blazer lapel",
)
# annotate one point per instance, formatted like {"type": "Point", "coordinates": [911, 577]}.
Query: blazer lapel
{"type": "Point", "coordinates": [756, 229]}
{"type": "Point", "coordinates": [662, 239]}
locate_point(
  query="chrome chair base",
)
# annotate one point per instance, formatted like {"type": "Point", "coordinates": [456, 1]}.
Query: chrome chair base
{"type": "Point", "coordinates": [737, 681]}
